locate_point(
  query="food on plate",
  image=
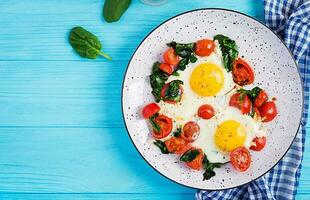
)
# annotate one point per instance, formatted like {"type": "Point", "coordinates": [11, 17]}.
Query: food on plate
{"type": "Point", "coordinates": [206, 110]}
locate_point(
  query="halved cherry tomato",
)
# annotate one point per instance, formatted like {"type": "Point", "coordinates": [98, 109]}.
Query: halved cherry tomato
{"type": "Point", "coordinates": [260, 143]}
{"type": "Point", "coordinates": [177, 145]}
{"type": "Point", "coordinates": [190, 131]}
{"type": "Point", "coordinates": [256, 111]}
{"type": "Point", "coordinates": [243, 102]}
{"type": "Point", "coordinates": [170, 57]}
{"type": "Point", "coordinates": [206, 111]}
{"type": "Point", "coordinates": [268, 111]}
{"type": "Point", "coordinates": [196, 164]}
{"type": "Point", "coordinates": [204, 47]}
{"type": "Point", "coordinates": [168, 69]}
{"type": "Point", "coordinates": [243, 74]}
{"type": "Point", "coordinates": [261, 98]}
{"type": "Point", "coordinates": [165, 124]}
{"type": "Point", "coordinates": [240, 159]}
{"type": "Point", "coordinates": [149, 110]}
{"type": "Point", "coordinates": [164, 92]}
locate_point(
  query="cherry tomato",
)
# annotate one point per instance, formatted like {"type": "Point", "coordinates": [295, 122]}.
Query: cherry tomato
{"type": "Point", "coordinates": [170, 57]}
{"type": "Point", "coordinates": [243, 102]}
{"type": "Point", "coordinates": [240, 159]}
{"type": "Point", "coordinates": [268, 111]}
{"type": "Point", "coordinates": [243, 74]}
{"type": "Point", "coordinates": [196, 164]}
{"type": "Point", "coordinates": [168, 69]}
{"type": "Point", "coordinates": [261, 98]}
{"type": "Point", "coordinates": [204, 47]}
{"type": "Point", "coordinates": [149, 110]}
{"type": "Point", "coordinates": [256, 110]}
{"type": "Point", "coordinates": [165, 124]}
{"type": "Point", "coordinates": [177, 145]}
{"type": "Point", "coordinates": [206, 111]}
{"type": "Point", "coordinates": [190, 131]}
{"type": "Point", "coordinates": [260, 143]}
{"type": "Point", "coordinates": [164, 91]}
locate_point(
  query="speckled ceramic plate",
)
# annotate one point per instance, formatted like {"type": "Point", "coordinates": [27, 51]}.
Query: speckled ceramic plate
{"type": "Point", "coordinates": [275, 71]}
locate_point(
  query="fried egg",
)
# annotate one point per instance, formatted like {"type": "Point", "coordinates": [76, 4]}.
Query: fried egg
{"type": "Point", "coordinates": [226, 131]}
{"type": "Point", "coordinates": [205, 82]}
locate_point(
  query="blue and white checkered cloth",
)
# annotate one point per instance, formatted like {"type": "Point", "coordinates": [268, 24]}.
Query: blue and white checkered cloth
{"type": "Point", "coordinates": [291, 20]}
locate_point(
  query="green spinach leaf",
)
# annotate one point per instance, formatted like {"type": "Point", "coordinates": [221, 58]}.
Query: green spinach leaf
{"type": "Point", "coordinates": [190, 155]}
{"type": "Point", "coordinates": [162, 146]}
{"type": "Point", "coordinates": [229, 50]}
{"type": "Point", "coordinates": [253, 93]}
{"type": "Point", "coordinates": [173, 91]}
{"type": "Point", "coordinates": [155, 126]}
{"type": "Point", "coordinates": [177, 133]}
{"type": "Point", "coordinates": [86, 44]}
{"type": "Point", "coordinates": [114, 9]}
{"type": "Point", "coordinates": [209, 168]}
{"type": "Point", "coordinates": [157, 80]}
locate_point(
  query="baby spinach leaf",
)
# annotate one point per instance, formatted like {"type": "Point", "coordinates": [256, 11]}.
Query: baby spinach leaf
{"type": "Point", "coordinates": [173, 91]}
{"type": "Point", "coordinates": [86, 44]}
{"type": "Point", "coordinates": [177, 133]}
{"type": "Point", "coordinates": [114, 9]}
{"type": "Point", "coordinates": [209, 168]}
{"type": "Point", "coordinates": [229, 50]}
{"type": "Point", "coordinates": [162, 146]}
{"type": "Point", "coordinates": [175, 74]}
{"type": "Point", "coordinates": [157, 80]}
{"type": "Point", "coordinates": [253, 93]}
{"type": "Point", "coordinates": [190, 155]}
{"type": "Point", "coordinates": [185, 51]}
{"type": "Point", "coordinates": [155, 126]}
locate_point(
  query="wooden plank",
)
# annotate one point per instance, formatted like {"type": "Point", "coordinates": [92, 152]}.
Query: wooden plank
{"type": "Point", "coordinates": [86, 196]}
{"type": "Point", "coordinates": [39, 31]}
{"type": "Point", "coordinates": [76, 160]}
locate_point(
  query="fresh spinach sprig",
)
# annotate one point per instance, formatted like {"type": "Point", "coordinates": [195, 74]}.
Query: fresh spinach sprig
{"type": "Point", "coordinates": [162, 146]}
{"type": "Point", "coordinates": [157, 80]}
{"type": "Point", "coordinates": [229, 50]}
{"type": "Point", "coordinates": [86, 44]}
{"type": "Point", "coordinates": [209, 168]}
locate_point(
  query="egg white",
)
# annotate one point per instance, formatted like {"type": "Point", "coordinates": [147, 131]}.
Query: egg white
{"type": "Point", "coordinates": [206, 141]}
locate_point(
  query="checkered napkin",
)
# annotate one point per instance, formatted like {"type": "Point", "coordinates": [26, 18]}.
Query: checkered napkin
{"type": "Point", "coordinates": [291, 20]}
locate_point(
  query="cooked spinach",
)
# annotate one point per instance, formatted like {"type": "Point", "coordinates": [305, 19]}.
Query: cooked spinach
{"type": "Point", "coordinates": [209, 168]}
{"type": "Point", "coordinates": [229, 50]}
{"type": "Point", "coordinates": [175, 74]}
{"type": "Point", "coordinates": [155, 126]}
{"type": "Point", "coordinates": [190, 155]}
{"type": "Point", "coordinates": [185, 51]}
{"type": "Point", "coordinates": [177, 133]}
{"type": "Point", "coordinates": [157, 80]}
{"type": "Point", "coordinates": [162, 146]}
{"type": "Point", "coordinates": [173, 91]}
{"type": "Point", "coordinates": [253, 93]}
{"type": "Point", "coordinates": [114, 9]}
{"type": "Point", "coordinates": [86, 44]}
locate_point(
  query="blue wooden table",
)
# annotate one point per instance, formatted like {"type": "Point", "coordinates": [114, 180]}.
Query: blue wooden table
{"type": "Point", "coordinates": [61, 131]}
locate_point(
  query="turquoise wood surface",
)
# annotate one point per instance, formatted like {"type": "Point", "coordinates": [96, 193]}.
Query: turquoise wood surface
{"type": "Point", "coordinates": [61, 130]}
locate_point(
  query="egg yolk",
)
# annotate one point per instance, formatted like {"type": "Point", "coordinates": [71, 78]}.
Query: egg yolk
{"type": "Point", "coordinates": [207, 79]}
{"type": "Point", "coordinates": [229, 135]}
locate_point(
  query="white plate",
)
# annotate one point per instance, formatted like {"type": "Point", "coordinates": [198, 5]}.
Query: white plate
{"type": "Point", "coordinates": [275, 71]}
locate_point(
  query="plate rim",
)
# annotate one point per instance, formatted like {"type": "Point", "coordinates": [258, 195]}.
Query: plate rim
{"type": "Point", "coordinates": [190, 11]}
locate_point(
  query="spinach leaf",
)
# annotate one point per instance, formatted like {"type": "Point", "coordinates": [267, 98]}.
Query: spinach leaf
{"type": "Point", "coordinates": [190, 155]}
{"type": "Point", "coordinates": [114, 9]}
{"type": "Point", "coordinates": [157, 80]}
{"type": "Point", "coordinates": [229, 50]}
{"type": "Point", "coordinates": [155, 126]}
{"type": "Point", "coordinates": [175, 74]}
{"type": "Point", "coordinates": [173, 91]}
{"type": "Point", "coordinates": [253, 93]}
{"type": "Point", "coordinates": [185, 51]}
{"type": "Point", "coordinates": [162, 146]}
{"type": "Point", "coordinates": [86, 44]}
{"type": "Point", "coordinates": [177, 133]}
{"type": "Point", "coordinates": [209, 168]}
